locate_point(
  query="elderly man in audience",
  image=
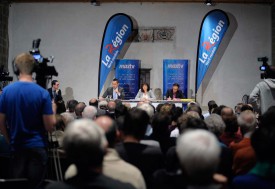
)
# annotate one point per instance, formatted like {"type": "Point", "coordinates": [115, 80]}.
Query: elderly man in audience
{"type": "Point", "coordinates": [113, 165]}
{"type": "Point", "coordinates": [216, 125]}
{"type": "Point", "coordinates": [146, 158]}
{"type": "Point", "coordinates": [181, 122]}
{"type": "Point", "coordinates": [199, 155]}
{"type": "Point", "coordinates": [67, 117]}
{"type": "Point", "coordinates": [262, 175]}
{"type": "Point", "coordinates": [94, 102]}
{"type": "Point", "coordinates": [103, 105]}
{"type": "Point", "coordinates": [85, 145]}
{"type": "Point", "coordinates": [79, 109]}
{"type": "Point", "coordinates": [231, 132]}
{"type": "Point", "coordinates": [89, 112]}
{"type": "Point", "coordinates": [243, 153]}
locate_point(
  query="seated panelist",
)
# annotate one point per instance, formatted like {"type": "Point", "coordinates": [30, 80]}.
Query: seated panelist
{"type": "Point", "coordinates": [114, 92]}
{"type": "Point", "coordinates": [145, 94]}
{"type": "Point", "coordinates": [175, 93]}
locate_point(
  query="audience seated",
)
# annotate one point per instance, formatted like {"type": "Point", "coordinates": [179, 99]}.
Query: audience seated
{"type": "Point", "coordinates": [79, 109]}
{"type": "Point", "coordinates": [199, 153]}
{"type": "Point", "coordinates": [121, 109]}
{"type": "Point", "coordinates": [56, 136]}
{"type": "Point", "coordinates": [149, 109]}
{"type": "Point", "coordinates": [67, 117]}
{"type": "Point", "coordinates": [113, 165]}
{"type": "Point", "coordinates": [216, 125]}
{"type": "Point", "coordinates": [237, 108]}
{"type": "Point", "coordinates": [262, 175]}
{"type": "Point", "coordinates": [181, 122]}
{"type": "Point", "coordinates": [111, 107]}
{"type": "Point", "coordinates": [94, 102]}
{"type": "Point", "coordinates": [89, 112]}
{"type": "Point", "coordinates": [163, 147]}
{"type": "Point", "coordinates": [176, 113]}
{"type": "Point", "coordinates": [170, 176]}
{"type": "Point", "coordinates": [195, 107]}
{"type": "Point", "coordinates": [218, 109]}
{"type": "Point", "coordinates": [161, 133]}
{"type": "Point", "coordinates": [103, 105]}
{"type": "Point", "coordinates": [211, 105]}
{"type": "Point", "coordinates": [231, 128]}
{"type": "Point", "coordinates": [85, 145]}
{"type": "Point", "coordinates": [145, 157]}
{"type": "Point", "coordinates": [71, 107]}
{"type": "Point", "coordinates": [243, 154]}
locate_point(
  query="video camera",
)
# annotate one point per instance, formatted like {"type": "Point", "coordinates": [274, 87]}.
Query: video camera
{"type": "Point", "coordinates": [42, 70]}
{"type": "Point", "coordinates": [4, 76]}
{"type": "Point", "coordinates": [265, 68]}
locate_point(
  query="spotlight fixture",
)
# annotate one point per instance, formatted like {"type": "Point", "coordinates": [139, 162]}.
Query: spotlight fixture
{"type": "Point", "coordinates": [94, 2]}
{"type": "Point", "coordinates": [208, 2]}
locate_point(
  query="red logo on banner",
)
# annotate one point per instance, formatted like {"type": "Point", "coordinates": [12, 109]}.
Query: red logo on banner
{"type": "Point", "coordinates": [111, 48]}
{"type": "Point", "coordinates": [207, 45]}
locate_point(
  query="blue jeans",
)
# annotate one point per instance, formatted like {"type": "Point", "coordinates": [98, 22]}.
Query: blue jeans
{"type": "Point", "coordinates": [31, 164]}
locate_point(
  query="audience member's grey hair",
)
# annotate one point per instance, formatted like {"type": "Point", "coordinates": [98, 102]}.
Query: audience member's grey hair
{"type": "Point", "coordinates": [198, 152]}
{"type": "Point", "coordinates": [148, 109]}
{"type": "Point", "coordinates": [84, 143]}
{"type": "Point", "coordinates": [102, 104]}
{"type": "Point", "coordinates": [247, 121]}
{"type": "Point", "coordinates": [215, 124]}
{"type": "Point", "coordinates": [67, 117]}
{"type": "Point", "coordinates": [193, 114]}
{"type": "Point", "coordinates": [89, 112]}
{"type": "Point", "coordinates": [182, 120]}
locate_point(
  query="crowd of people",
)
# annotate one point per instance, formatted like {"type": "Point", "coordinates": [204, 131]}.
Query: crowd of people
{"type": "Point", "coordinates": [106, 143]}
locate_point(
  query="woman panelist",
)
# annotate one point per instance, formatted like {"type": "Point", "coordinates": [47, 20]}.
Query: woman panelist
{"type": "Point", "coordinates": [145, 94]}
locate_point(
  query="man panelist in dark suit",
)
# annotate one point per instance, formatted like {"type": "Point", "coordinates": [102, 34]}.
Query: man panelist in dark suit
{"type": "Point", "coordinates": [114, 92]}
{"type": "Point", "coordinates": [175, 93]}
{"type": "Point", "coordinates": [55, 92]}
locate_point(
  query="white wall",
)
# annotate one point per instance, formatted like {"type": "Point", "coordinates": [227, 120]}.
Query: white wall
{"type": "Point", "coordinates": [72, 32]}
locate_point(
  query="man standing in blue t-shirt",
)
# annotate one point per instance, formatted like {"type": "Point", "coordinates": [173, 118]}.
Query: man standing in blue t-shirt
{"type": "Point", "coordinates": [26, 115]}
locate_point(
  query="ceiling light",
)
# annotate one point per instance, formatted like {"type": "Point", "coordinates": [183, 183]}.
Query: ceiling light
{"type": "Point", "coordinates": [94, 2]}
{"type": "Point", "coordinates": [208, 2]}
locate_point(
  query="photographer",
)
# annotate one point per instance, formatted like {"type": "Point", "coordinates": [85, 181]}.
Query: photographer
{"type": "Point", "coordinates": [26, 115]}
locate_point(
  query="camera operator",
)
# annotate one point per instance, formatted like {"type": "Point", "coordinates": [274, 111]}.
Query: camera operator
{"type": "Point", "coordinates": [26, 115]}
{"type": "Point", "coordinates": [263, 95]}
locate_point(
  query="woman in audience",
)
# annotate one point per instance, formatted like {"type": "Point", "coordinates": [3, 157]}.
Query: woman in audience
{"type": "Point", "coordinates": [145, 94]}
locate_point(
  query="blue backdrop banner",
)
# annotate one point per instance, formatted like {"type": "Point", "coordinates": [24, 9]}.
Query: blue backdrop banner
{"type": "Point", "coordinates": [213, 28]}
{"type": "Point", "coordinates": [118, 28]}
{"type": "Point", "coordinates": [175, 71]}
{"type": "Point", "coordinates": [127, 72]}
